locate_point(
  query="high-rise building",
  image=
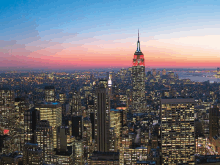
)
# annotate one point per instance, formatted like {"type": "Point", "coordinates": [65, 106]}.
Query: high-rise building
{"type": "Point", "coordinates": [61, 139]}
{"type": "Point", "coordinates": [32, 154]}
{"type": "Point", "coordinates": [77, 126]}
{"type": "Point", "coordinates": [49, 94]}
{"type": "Point", "coordinates": [102, 119]}
{"type": "Point", "coordinates": [51, 111]}
{"type": "Point", "coordinates": [31, 118]}
{"type": "Point", "coordinates": [64, 153]}
{"type": "Point", "coordinates": [44, 139]}
{"type": "Point", "coordinates": [116, 123]}
{"type": "Point", "coordinates": [9, 123]}
{"type": "Point", "coordinates": [7, 110]}
{"type": "Point", "coordinates": [138, 79]}
{"type": "Point", "coordinates": [177, 131]}
{"type": "Point", "coordinates": [78, 152]}
{"type": "Point", "coordinates": [75, 103]}
{"type": "Point", "coordinates": [213, 121]}
{"type": "Point", "coordinates": [21, 106]}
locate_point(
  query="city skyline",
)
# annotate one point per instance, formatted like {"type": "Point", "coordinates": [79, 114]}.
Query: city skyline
{"type": "Point", "coordinates": [89, 35]}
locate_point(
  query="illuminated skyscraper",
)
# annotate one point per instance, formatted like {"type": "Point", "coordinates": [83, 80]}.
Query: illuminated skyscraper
{"type": "Point", "coordinates": [116, 123]}
{"type": "Point", "coordinates": [138, 77]}
{"type": "Point", "coordinates": [177, 131]}
{"type": "Point", "coordinates": [44, 139]}
{"type": "Point", "coordinates": [51, 111]}
{"type": "Point", "coordinates": [7, 110]}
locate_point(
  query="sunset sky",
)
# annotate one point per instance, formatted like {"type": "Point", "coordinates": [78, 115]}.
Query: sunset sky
{"type": "Point", "coordinates": [103, 34]}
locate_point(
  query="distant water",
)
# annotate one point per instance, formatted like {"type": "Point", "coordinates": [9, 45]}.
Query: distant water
{"type": "Point", "coordinates": [198, 77]}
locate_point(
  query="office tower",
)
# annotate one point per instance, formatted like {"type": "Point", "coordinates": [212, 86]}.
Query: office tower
{"type": "Point", "coordinates": [61, 139]}
{"type": "Point", "coordinates": [21, 105]}
{"type": "Point", "coordinates": [138, 79]}
{"type": "Point", "coordinates": [7, 111]}
{"type": "Point", "coordinates": [49, 93]}
{"type": "Point", "coordinates": [9, 121]}
{"type": "Point", "coordinates": [51, 111]}
{"type": "Point", "coordinates": [44, 139]}
{"type": "Point", "coordinates": [77, 126]}
{"type": "Point", "coordinates": [75, 103]}
{"type": "Point", "coordinates": [90, 105]}
{"type": "Point", "coordinates": [31, 118]}
{"type": "Point", "coordinates": [78, 152]}
{"type": "Point", "coordinates": [177, 131]}
{"type": "Point", "coordinates": [213, 121]}
{"type": "Point", "coordinates": [64, 154]}
{"type": "Point", "coordinates": [32, 154]}
{"type": "Point", "coordinates": [87, 136]}
{"type": "Point", "coordinates": [102, 117]}
{"type": "Point", "coordinates": [116, 123]}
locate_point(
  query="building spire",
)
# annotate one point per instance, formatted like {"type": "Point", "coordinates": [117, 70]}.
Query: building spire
{"type": "Point", "coordinates": [138, 43]}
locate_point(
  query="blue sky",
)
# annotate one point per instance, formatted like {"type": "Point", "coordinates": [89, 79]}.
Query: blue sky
{"type": "Point", "coordinates": [25, 22]}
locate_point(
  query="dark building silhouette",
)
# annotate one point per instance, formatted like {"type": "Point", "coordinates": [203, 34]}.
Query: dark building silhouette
{"type": "Point", "coordinates": [31, 118]}
{"type": "Point", "coordinates": [213, 121]}
{"type": "Point", "coordinates": [92, 118]}
{"type": "Point", "coordinates": [102, 119]}
{"type": "Point", "coordinates": [77, 126]}
{"type": "Point", "coordinates": [61, 139]}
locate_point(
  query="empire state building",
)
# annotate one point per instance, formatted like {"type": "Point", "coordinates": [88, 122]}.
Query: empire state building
{"type": "Point", "coordinates": [138, 77]}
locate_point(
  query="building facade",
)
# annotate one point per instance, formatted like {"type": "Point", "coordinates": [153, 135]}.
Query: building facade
{"type": "Point", "coordinates": [52, 112]}
{"type": "Point", "coordinates": [102, 119]}
{"type": "Point", "coordinates": [138, 80]}
{"type": "Point", "coordinates": [177, 131]}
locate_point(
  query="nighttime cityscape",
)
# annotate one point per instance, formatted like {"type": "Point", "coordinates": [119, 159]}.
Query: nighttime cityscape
{"type": "Point", "coordinates": [77, 89]}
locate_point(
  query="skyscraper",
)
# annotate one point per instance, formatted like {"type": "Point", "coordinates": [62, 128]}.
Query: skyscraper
{"type": "Point", "coordinates": [49, 94]}
{"type": "Point", "coordinates": [138, 76]}
{"type": "Point", "coordinates": [44, 139]}
{"type": "Point", "coordinates": [51, 111]}
{"type": "Point", "coordinates": [77, 126]}
{"type": "Point", "coordinates": [177, 131]}
{"type": "Point", "coordinates": [102, 118]}
{"type": "Point", "coordinates": [31, 118]}
{"type": "Point", "coordinates": [213, 121]}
